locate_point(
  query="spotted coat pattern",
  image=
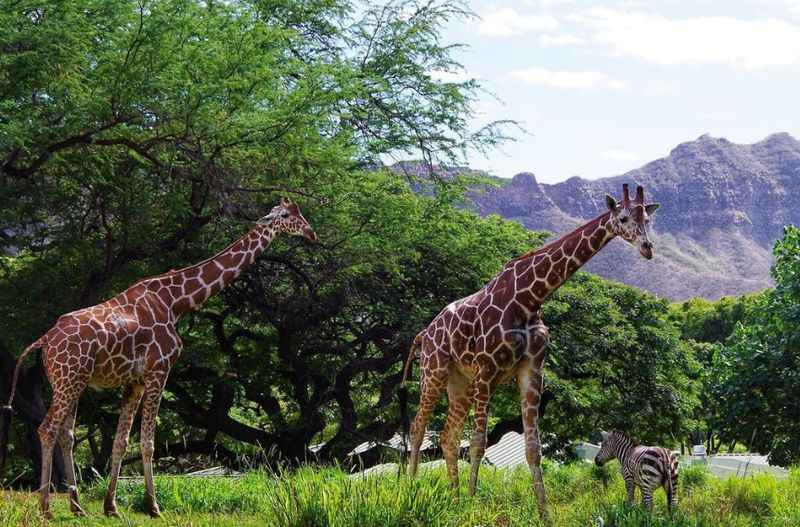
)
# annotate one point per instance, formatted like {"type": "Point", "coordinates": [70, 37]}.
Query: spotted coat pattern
{"type": "Point", "coordinates": [497, 334]}
{"type": "Point", "coordinates": [130, 341]}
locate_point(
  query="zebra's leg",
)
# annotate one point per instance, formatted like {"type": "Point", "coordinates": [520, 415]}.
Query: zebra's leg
{"type": "Point", "coordinates": [647, 498]}
{"type": "Point", "coordinates": [530, 383]}
{"type": "Point", "coordinates": [459, 402]}
{"type": "Point", "coordinates": [673, 495]}
{"type": "Point", "coordinates": [631, 489]}
{"type": "Point", "coordinates": [433, 384]}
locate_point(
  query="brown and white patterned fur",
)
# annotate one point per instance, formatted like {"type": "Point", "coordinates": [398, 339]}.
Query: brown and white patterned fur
{"type": "Point", "coordinates": [497, 334]}
{"type": "Point", "coordinates": [130, 341]}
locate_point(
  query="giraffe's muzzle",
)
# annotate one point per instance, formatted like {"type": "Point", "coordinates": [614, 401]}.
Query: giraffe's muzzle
{"type": "Point", "coordinates": [646, 250]}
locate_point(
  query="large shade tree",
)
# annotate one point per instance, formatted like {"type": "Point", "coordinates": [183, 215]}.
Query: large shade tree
{"type": "Point", "coordinates": [758, 369]}
{"type": "Point", "coordinates": [139, 136]}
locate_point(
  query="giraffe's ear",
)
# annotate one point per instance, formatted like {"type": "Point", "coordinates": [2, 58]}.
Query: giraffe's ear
{"type": "Point", "coordinates": [651, 208]}
{"type": "Point", "coordinates": [284, 202]}
{"type": "Point", "coordinates": [612, 204]}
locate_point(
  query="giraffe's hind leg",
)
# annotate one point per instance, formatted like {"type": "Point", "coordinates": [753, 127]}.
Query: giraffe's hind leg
{"type": "Point", "coordinates": [481, 392]}
{"type": "Point", "coordinates": [66, 439]}
{"type": "Point", "coordinates": [66, 392]}
{"type": "Point", "coordinates": [130, 403]}
{"type": "Point", "coordinates": [459, 403]}
{"type": "Point", "coordinates": [530, 382]}
{"type": "Point", "coordinates": [434, 381]}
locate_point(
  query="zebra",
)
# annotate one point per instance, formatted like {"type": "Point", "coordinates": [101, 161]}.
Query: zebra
{"type": "Point", "coordinates": [649, 467]}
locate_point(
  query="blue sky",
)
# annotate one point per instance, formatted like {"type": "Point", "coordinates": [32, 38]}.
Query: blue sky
{"type": "Point", "coordinates": [604, 87]}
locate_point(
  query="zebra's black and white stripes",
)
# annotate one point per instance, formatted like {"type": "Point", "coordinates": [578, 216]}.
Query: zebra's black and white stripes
{"type": "Point", "coordinates": [647, 467]}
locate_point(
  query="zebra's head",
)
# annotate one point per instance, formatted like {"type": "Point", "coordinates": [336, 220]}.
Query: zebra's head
{"type": "Point", "coordinates": [610, 446]}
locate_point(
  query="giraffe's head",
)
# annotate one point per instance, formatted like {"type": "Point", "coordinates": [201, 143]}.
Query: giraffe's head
{"type": "Point", "coordinates": [630, 220]}
{"type": "Point", "coordinates": [286, 217]}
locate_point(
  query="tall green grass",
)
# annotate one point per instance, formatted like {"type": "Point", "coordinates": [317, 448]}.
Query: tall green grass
{"type": "Point", "coordinates": [579, 495]}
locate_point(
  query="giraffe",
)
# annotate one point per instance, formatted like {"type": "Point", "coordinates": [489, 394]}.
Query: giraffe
{"type": "Point", "coordinates": [497, 333]}
{"type": "Point", "coordinates": [130, 341]}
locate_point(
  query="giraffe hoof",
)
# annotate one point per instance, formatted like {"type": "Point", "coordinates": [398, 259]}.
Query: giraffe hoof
{"type": "Point", "coordinates": [112, 512]}
{"type": "Point", "coordinates": [47, 515]}
{"type": "Point", "coordinates": [154, 512]}
{"type": "Point", "coordinates": [80, 513]}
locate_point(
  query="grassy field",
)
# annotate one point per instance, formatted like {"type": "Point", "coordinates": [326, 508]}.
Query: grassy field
{"type": "Point", "coordinates": [579, 495]}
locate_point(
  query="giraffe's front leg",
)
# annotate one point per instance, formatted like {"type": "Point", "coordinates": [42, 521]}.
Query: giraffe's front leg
{"type": "Point", "coordinates": [153, 390]}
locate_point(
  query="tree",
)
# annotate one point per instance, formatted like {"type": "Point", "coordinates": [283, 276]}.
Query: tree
{"type": "Point", "coordinates": [758, 370]}
{"type": "Point", "coordinates": [135, 137]}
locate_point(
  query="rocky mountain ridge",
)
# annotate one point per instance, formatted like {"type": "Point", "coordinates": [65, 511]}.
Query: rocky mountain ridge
{"type": "Point", "coordinates": [723, 205]}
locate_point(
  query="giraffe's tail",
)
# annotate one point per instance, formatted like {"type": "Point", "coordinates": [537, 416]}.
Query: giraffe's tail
{"type": "Point", "coordinates": [402, 393]}
{"type": "Point", "coordinates": [412, 354]}
{"type": "Point", "coordinates": [36, 345]}
{"type": "Point", "coordinates": [7, 410]}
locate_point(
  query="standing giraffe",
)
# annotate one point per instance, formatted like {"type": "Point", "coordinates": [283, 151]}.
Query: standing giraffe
{"type": "Point", "coordinates": [131, 341]}
{"type": "Point", "coordinates": [480, 341]}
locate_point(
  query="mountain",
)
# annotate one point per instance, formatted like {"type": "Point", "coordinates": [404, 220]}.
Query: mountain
{"type": "Point", "coordinates": [723, 205]}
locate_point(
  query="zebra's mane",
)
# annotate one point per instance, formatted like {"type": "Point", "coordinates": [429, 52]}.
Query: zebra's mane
{"type": "Point", "coordinates": [634, 441]}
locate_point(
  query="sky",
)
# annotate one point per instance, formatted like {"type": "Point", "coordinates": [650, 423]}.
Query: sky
{"type": "Point", "coordinates": [603, 87]}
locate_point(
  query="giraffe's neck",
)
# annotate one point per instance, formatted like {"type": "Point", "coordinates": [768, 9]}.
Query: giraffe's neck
{"type": "Point", "coordinates": [187, 289]}
{"type": "Point", "coordinates": [541, 272]}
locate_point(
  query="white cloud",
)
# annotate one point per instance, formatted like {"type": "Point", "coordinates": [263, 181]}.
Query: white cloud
{"type": "Point", "coordinates": [560, 40]}
{"type": "Point", "coordinates": [551, 3]}
{"type": "Point", "coordinates": [506, 22]}
{"type": "Point", "coordinates": [622, 156]}
{"type": "Point", "coordinates": [747, 44]}
{"type": "Point", "coordinates": [449, 76]}
{"type": "Point", "coordinates": [568, 79]}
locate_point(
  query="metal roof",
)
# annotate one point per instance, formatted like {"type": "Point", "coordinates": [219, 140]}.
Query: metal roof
{"type": "Point", "coordinates": [508, 452]}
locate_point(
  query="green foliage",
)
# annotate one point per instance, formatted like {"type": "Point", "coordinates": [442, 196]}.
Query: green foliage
{"type": "Point", "coordinates": [329, 497]}
{"type": "Point", "coordinates": [759, 367]}
{"type": "Point", "coordinates": [139, 137]}
{"type": "Point", "coordinates": [711, 322]}
{"type": "Point", "coordinates": [694, 477]}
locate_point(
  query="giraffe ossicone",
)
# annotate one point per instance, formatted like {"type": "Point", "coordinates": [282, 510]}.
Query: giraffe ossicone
{"type": "Point", "coordinates": [497, 334]}
{"type": "Point", "coordinates": [130, 341]}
